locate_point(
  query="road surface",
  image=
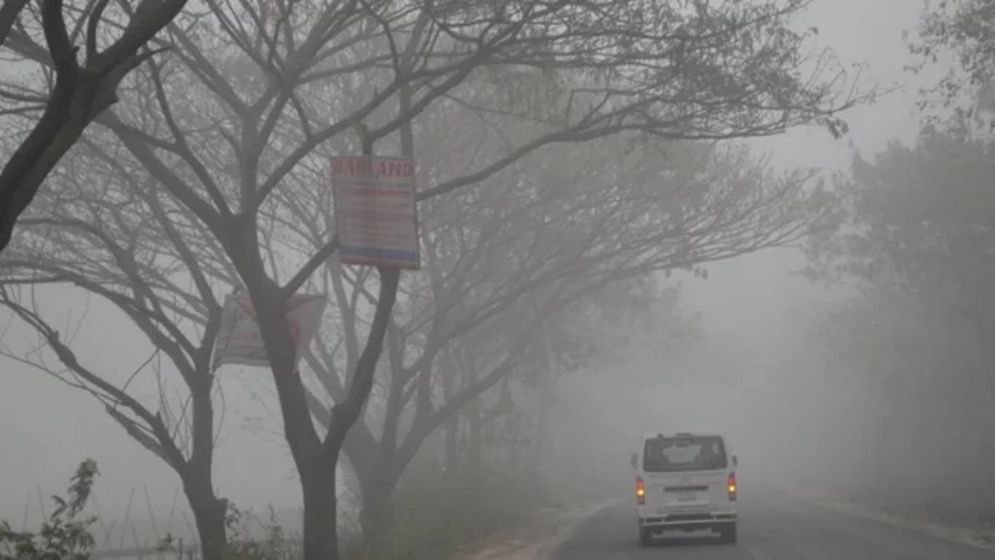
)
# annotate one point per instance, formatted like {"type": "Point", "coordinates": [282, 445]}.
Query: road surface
{"type": "Point", "coordinates": [769, 529]}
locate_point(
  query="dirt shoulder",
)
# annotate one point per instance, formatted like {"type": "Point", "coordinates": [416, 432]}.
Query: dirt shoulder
{"type": "Point", "coordinates": [535, 540]}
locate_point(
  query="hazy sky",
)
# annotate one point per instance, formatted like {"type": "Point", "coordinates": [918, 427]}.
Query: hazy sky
{"type": "Point", "coordinates": [45, 427]}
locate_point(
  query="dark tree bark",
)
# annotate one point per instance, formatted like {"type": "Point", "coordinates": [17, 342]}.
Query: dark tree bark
{"type": "Point", "coordinates": [208, 512]}
{"type": "Point", "coordinates": [316, 459]}
{"type": "Point", "coordinates": [9, 11]}
{"type": "Point", "coordinates": [80, 93]}
{"type": "Point", "coordinates": [376, 509]}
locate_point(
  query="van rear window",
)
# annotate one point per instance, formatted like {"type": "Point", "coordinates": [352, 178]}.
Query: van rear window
{"type": "Point", "coordinates": [681, 454]}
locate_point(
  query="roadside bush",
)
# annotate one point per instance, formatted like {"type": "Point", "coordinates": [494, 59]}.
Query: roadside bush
{"type": "Point", "coordinates": [437, 515]}
{"type": "Point", "coordinates": [65, 535]}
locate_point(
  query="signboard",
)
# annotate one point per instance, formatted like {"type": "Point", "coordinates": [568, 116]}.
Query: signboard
{"type": "Point", "coordinates": [376, 216]}
{"type": "Point", "coordinates": [239, 340]}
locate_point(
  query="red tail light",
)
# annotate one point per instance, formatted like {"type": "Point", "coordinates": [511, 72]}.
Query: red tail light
{"type": "Point", "coordinates": [732, 487]}
{"type": "Point", "coordinates": [640, 491]}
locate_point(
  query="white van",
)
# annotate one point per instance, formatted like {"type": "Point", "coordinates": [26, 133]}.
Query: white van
{"type": "Point", "coordinates": [685, 481]}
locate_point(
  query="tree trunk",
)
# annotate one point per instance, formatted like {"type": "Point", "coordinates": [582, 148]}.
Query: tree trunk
{"type": "Point", "coordinates": [541, 441]}
{"type": "Point", "coordinates": [376, 513]}
{"type": "Point", "coordinates": [986, 355]}
{"type": "Point", "coordinates": [474, 444]}
{"type": "Point", "coordinates": [452, 444]}
{"type": "Point", "coordinates": [316, 460]}
{"type": "Point", "coordinates": [985, 396]}
{"type": "Point", "coordinates": [451, 427]}
{"type": "Point", "coordinates": [320, 511]}
{"type": "Point", "coordinates": [209, 514]}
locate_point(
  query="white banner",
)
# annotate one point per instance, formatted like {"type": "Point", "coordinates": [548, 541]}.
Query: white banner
{"type": "Point", "coordinates": [376, 214]}
{"type": "Point", "coordinates": [239, 340]}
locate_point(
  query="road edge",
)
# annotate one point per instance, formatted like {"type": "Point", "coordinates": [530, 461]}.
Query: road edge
{"type": "Point", "coordinates": [984, 540]}
{"type": "Point", "coordinates": [538, 539]}
{"type": "Point", "coordinates": [567, 532]}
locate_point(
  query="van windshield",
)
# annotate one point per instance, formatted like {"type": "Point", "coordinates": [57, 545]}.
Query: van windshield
{"type": "Point", "coordinates": [680, 454]}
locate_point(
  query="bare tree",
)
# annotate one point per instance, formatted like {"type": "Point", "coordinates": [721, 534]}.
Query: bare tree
{"type": "Point", "coordinates": [510, 256]}
{"type": "Point", "coordinates": [280, 86]}
{"type": "Point", "coordinates": [107, 230]}
{"type": "Point", "coordinates": [71, 94]}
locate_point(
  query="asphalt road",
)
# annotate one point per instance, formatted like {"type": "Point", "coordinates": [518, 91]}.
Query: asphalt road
{"type": "Point", "coordinates": [769, 529]}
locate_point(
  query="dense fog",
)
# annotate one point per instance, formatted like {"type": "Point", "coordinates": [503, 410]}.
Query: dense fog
{"type": "Point", "coordinates": [770, 219]}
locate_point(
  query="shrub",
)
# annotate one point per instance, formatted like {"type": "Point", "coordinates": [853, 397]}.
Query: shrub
{"type": "Point", "coordinates": [65, 535]}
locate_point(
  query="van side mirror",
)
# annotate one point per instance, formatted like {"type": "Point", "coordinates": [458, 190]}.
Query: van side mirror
{"type": "Point", "coordinates": [633, 460]}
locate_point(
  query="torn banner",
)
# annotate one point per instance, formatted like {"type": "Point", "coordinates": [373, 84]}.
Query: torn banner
{"type": "Point", "coordinates": [239, 341]}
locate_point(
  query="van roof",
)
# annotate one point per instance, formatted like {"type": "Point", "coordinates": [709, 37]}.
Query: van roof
{"type": "Point", "coordinates": [651, 435]}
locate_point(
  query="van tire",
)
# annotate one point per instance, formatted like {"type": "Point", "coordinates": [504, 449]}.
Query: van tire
{"type": "Point", "coordinates": [728, 533]}
{"type": "Point", "coordinates": [645, 537]}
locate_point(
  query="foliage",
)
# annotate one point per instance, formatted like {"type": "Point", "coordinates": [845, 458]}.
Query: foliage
{"type": "Point", "coordinates": [961, 30]}
{"type": "Point", "coordinates": [65, 535]}
{"type": "Point", "coordinates": [921, 222]}
{"type": "Point", "coordinates": [432, 520]}
{"type": "Point", "coordinates": [243, 546]}
{"type": "Point", "coordinates": [244, 542]}
{"type": "Point", "coordinates": [917, 242]}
